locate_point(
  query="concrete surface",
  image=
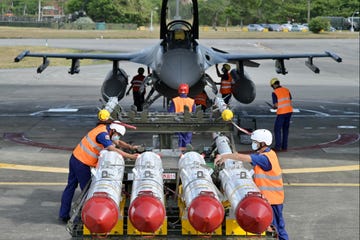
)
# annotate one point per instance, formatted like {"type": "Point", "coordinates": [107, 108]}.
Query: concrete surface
{"type": "Point", "coordinates": [321, 168]}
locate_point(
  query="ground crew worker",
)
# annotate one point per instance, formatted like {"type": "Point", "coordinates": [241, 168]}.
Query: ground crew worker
{"type": "Point", "coordinates": [281, 98]}
{"type": "Point", "coordinates": [138, 96]}
{"type": "Point", "coordinates": [226, 82]}
{"type": "Point", "coordinates": [267, 175]}
{"type": "Point", "coordinates": [201, 100]}
{"type": "Point", "coordinates": [85, 155]}
{"type": "Point", "coordinates": [177, 105]}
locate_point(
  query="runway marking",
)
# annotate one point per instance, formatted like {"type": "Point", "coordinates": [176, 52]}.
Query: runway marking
{"type": "Point", "coordinates": [322, 169]}
{"type": "Point", "coordinates": [32, 184]}
{"type": "Point", "coordinates": [342, 139]}
{"type": "Point", "coordinates": [322, 184]}
{"type": "Point", "coordinates": [20, 138]}
{"type": "Point", "coordinates": [33, 168]}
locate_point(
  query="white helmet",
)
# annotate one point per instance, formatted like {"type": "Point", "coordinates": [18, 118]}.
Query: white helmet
{"type": "Point", "coordinates": [262, 135]}
{"type": "Point", "coordinates": [116, 125]}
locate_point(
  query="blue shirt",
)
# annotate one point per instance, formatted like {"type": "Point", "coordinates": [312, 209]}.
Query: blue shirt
{"type": "Point", "coordinates": [104, 138]}
{"type": "Point", "coordinates": [261, 160]}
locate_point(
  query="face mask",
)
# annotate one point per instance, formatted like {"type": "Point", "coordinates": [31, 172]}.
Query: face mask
{"type": "Point", "coordinates": [115, 137]}
{"type": "Point", "coordinates": [254, 146]}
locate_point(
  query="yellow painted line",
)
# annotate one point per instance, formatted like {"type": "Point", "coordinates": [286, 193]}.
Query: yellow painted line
{"type": "Point", "coordinates": [32, 184]}
{"type": "Point", "coordinates": [323, 169]}
{"type": "Point", "coordinates": [33, 168]}
{"type": "Point", "coordinates": [322, 184]}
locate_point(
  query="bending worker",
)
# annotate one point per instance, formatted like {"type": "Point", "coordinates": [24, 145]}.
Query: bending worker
{"type": "Point", "coordinates": [267, 175]}
{"type": "Point", "coordinates": [85, 155]}
{"type": "Point", "coordinates": [177, 105]}
{"type": "Point", "coordinates": [281, 98]}
{"type": "Point", "coordinates": [226, 82]}
{"type": "Point", "coordinates": [138, 96]}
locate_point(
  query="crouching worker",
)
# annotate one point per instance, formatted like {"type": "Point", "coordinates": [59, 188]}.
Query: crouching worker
{"type": "Point", "coordinates": [85, 155]}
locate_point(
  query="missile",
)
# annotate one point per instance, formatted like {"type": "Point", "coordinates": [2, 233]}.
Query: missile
{"type": "Point", "coordinates": [201, 197]}
{"type": "Point", "coordinates": [146, 210]}
{"type": "Point", "coordinates": [226, 113]}
{"type": "Point", "coordinates": [252, 211]}
{"type": "Point", "coordinates": [100, 212]}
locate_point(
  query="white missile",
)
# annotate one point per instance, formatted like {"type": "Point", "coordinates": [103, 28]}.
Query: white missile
{"type": "Point", "coordinates": [147, 210]}
{"type": "Point", "coordinates": [100, 212]}
{"type": "Point", "coordinates": [252, 212]}
{"type": "Point", "coordinates": [205, 211]}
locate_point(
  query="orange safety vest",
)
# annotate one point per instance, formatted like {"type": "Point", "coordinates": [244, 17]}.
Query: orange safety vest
{"type": "Point", "coordinates": [88, 150]}
{"type": "Point", "coordinates": [226, 85]}
{"type": "Point", "coordinates": [200, 99]}
{"type": "Point", "coordinates": [283, 100]}
{"type": "Point", "coordinates": [136, 82]}
{"type": "Point", "coordinates": [270, 182]}
{"type": "Point", "coordinates": [180, 102]}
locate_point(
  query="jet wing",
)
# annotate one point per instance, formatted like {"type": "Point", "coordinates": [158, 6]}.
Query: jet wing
{"type": "Point", "coordinates": [247, 59]}
{"type": "Point", "coordinates": [143, 56]}
{"type": "Point", "coordinates": [105, 56]}
{"type": "Point", "coordinates": [242, 57]}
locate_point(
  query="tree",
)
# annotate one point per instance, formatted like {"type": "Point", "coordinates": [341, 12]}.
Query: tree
{"type": "Point", "coordinates": [318, 24]}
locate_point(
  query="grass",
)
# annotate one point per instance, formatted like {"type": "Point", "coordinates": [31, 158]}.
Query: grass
{"type": "Point", "coordinates": [205, 32]}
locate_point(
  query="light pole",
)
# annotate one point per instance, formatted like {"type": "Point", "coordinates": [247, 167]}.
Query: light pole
{"type": "Point", "coordinates": [352, 21]}
{"type": "Point", "coordinates": [151, 19]}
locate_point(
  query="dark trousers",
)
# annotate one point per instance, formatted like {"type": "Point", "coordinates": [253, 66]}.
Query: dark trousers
{"type": "Point", "coordinates": [139, 99]}
{"type": "Point", "coordinates": [282, 124]}
{"type": "Point", "coordinates": [79, 173]}
{"type": "Point", "coordinates": [184, 138]}
{"type": "Point", "coordinates": [279, 222]}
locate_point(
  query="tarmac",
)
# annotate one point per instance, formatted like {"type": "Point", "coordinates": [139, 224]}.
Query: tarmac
{"type": "Point", "coordinates": [42, 117]}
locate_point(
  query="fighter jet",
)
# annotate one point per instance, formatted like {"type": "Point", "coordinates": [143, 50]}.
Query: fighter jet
{"type": "Point", "coordinates": [179, 58]}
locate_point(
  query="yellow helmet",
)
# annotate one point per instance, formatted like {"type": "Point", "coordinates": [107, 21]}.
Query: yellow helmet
{"type": "Point", "coordinates": [103, 115]}
{"type": "Point", "coordinates": [227, 67]}
{"type": "Point", "coordinates": [273, 81]}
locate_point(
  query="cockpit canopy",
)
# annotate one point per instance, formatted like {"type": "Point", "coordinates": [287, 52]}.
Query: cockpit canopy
{"type": "Point", "coordinates": [179, 17]}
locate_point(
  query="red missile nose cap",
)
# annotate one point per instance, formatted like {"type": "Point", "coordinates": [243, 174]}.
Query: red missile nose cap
{"type": "Point", "coordinates": [254, 214]}
{"type": "Point", "coordinates": [100, 214]}
{"type": "Point", "coordinates": [206, 214]}
{"type": "Point", "coordinates": [146, 213]}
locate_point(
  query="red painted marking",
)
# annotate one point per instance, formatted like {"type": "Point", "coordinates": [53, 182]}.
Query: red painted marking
{"type": "Point", "coordinates": [20, 138]}
{"type": "Point", "coordinates": [343, 139]}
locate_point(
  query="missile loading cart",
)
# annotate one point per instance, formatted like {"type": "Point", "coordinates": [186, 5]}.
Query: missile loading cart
{"type": "Point", "coordinates": [171, 194]}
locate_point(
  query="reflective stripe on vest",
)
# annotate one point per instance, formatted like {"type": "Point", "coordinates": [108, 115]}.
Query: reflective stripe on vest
{"type": "Point", "coordinates": [270, 182]}
{"type": "Point", "coordinates": [226, 85]}
{"type": "Point", "coordinates": [136, 82]}
{"type": "Point", "coordinates": [88, 150]}
{"type": "Point", "coordinates": [200, 99]}
{"type": "Point", "coordinates": [283, 100]}
{"type": "Point", "coordinates": [180, 102]}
